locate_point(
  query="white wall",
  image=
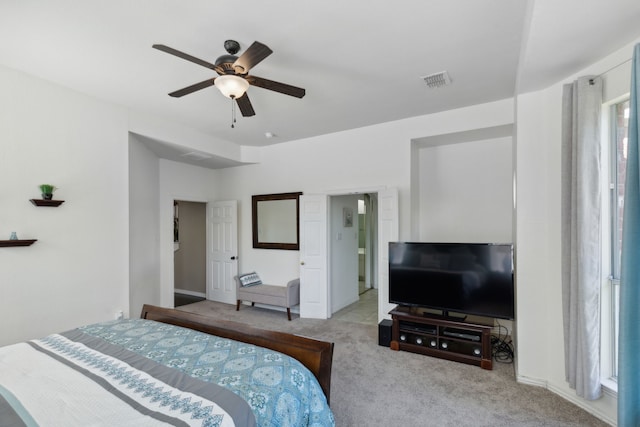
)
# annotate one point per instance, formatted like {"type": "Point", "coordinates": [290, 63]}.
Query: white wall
{"type": "Point", "coordinates": [539, 308]}
{"type": "Point", "coordinates": [334, 164]}
{"type": "Point", "coordinates": [466, 192]}
{"type": "Point", "coordinates": [77, 271]}
{"type": "Point", "coordinates": [144, 223]}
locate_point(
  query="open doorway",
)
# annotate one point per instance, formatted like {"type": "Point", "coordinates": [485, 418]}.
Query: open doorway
{"type": "Point", "coordinates": [367, 243]}
{"type": "Point", "coordinates": [353, 257]}
{"type": "Point", "coordinates": [189, 252]}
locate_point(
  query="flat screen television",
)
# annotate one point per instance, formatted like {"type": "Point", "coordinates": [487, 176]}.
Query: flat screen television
{"type": "Point", "coordinates": [465, 278]}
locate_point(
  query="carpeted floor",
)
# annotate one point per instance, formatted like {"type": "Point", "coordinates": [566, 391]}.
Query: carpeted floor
{"type": "Point", "coordinates": [375, 386]}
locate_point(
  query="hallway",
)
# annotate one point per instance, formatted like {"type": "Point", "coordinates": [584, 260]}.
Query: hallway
{"type": "Point", "coordinates": [364, 311]}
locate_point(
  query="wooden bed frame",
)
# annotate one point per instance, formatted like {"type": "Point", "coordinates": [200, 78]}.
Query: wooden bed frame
{"type": "Point", "coordinates": [314, 354]}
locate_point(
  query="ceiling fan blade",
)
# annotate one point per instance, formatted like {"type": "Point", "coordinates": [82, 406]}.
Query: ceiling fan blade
{"type": "Point", "coordinates": [251, 57]}
{"type": "Point", "coordinates": [190, 89]}
{"type": "Point", "coordinates": [183, 55]}
{"type": "Point", "coordinates": [245, 106]}
{"type": "Point", "coordinates": [286, 89]}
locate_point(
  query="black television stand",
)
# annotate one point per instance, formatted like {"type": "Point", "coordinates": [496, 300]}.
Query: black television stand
{"type": "Point", "coordinates": [460, 340]}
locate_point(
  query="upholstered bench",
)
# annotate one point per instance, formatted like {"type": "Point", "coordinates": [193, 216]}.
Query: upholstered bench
{"type": "Point", "coordinates": [250, 288]}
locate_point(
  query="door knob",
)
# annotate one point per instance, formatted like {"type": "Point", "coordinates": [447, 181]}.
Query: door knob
{"type": "Point", "coordinates": [234, 257]}
{"type": "Point", "coordinates": [301, 262]}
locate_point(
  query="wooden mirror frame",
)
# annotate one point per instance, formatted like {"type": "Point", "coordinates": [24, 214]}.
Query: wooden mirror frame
{"type": "Point", "coordinates": [254, 220]}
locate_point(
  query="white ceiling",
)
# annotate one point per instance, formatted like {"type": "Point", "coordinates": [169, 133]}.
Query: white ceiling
{"type": "Point", "coordinates": [360, 61]}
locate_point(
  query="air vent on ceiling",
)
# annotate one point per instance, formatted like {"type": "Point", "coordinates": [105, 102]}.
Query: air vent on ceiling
{"type": "Point", "coordinates": [437, 79]}
{"type": "Point", "coordinates": [194, 155]}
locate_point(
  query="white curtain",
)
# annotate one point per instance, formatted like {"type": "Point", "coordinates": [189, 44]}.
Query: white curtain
{"type": "Point", "coordinates": [581, 246]}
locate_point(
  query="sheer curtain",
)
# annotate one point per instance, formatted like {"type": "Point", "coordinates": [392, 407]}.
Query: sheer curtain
{"type": "Point", "coordinates": [581, 252]}
{"type": "Point", "coordinates": [629, 339]}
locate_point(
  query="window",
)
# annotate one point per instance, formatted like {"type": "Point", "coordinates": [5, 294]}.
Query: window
{"type": "Point", "coordinates": [619, 120]}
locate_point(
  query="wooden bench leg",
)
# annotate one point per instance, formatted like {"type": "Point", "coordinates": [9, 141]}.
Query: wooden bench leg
{"type": "Point", "coordinates": [238, 306]}
{"type": "Point", "coordinates": [289, 313]}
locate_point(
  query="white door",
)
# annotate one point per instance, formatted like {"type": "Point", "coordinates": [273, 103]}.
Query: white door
{"type": "Point", "coordinates": [313, 257]}
{"type": "Point", "coordinates": [222, 253]}
{"type": "Point", "coordinates": [388, 231]}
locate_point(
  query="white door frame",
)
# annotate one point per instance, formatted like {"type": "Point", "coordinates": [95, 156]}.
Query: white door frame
{"type": "Point", "coordinates": [390, 233]}
{"type": "Point", "coordinates": [167, 282]}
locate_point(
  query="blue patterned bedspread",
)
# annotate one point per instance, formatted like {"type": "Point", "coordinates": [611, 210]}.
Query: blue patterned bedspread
{"type": "Point", "coordinates": [279, 389]}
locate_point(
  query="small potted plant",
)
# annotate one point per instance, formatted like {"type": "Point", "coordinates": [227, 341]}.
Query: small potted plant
{"type": "Point", "coordinates": [47, 191]}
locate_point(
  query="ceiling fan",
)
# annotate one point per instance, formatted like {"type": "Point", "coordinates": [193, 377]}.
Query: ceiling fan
{"type": "Point", "coordinates": [234, 78]}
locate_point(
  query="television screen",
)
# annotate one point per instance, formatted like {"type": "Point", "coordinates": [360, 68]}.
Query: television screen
{"type": "Point", "coordinates": [466, 278]}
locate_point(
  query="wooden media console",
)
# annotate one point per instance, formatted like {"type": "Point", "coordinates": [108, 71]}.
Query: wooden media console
{"type": "Point", "coordinates": [466, 341]}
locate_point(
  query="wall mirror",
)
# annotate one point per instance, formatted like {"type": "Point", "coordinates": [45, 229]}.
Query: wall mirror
{"type": "Point", "coordinates": [275, 219]}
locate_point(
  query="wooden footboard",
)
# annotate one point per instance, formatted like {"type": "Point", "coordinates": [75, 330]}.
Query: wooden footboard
{"type": "Point", "coordinates": [316, 355]}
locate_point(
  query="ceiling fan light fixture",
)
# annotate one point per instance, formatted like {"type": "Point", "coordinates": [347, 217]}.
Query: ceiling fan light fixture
{"type": "Point", "coordinates": [231, 86]}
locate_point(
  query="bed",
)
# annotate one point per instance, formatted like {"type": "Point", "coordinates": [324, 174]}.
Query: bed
{"type": "Point", "coordinates": [167, 368]}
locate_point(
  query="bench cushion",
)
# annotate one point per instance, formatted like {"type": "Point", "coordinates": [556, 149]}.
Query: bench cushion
{"type": "Point", "coordinates": [270, 290]}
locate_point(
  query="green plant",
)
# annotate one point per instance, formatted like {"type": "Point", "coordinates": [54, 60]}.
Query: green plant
{"type": "Point", "coordinates": [47, 188]}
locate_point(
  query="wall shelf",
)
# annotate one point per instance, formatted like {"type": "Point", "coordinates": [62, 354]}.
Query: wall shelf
{"type": "Point", "coordinates": [51, 203]}
{"type": "Point", "coordinates": [11, 243]}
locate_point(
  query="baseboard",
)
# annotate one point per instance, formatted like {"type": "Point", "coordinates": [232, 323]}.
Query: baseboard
{"type": "Point", "coordinates": [571, 397]}
{"type": "Point", "coordinates": [190, 293]}
{"type": "Point", "coordinates": [531, 381]}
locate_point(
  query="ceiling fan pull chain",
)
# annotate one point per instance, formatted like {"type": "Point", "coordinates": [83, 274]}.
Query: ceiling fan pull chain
{"type": "Point", "coordinates": [233, 112]}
